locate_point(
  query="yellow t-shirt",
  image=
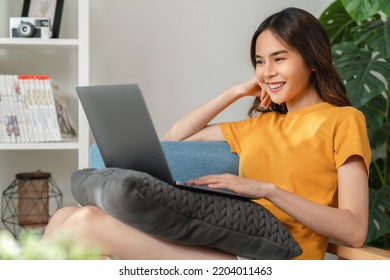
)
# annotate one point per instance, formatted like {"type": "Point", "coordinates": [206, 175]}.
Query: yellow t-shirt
{"type": "Point", "coordinates": [300, 152]}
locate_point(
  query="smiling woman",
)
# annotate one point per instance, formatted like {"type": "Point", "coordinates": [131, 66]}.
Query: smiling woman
{"type": "Point", "coordinates": [295, 148]}
{"type": "Point", "coordinates": [311, 47]}
{"type": "Point", "coordinates": [303, 151]}
{"type": "Point", "coordinates": [283, 73]}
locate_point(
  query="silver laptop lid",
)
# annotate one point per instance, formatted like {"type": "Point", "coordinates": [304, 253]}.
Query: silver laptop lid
{"type": "Point", "coordinates": [123, 129]}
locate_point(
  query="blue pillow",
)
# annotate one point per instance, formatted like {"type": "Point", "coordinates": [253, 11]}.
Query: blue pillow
{"type": "Point", "coordinates": [188, 160]}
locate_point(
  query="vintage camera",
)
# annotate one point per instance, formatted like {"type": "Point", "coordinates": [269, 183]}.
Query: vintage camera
{"type": "Point", "coordinates": [29, 27]}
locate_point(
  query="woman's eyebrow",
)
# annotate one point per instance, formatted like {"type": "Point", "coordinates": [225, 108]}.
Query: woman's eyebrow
{"type": "Point", "coordinates": [274, 53]}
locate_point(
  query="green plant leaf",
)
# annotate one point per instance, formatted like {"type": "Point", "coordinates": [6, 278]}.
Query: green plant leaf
{"type": "Point", "coordinates": [380, 136]}
{"type": "Point", "coordinates": [376, 179]}
{"type": "Point", "coordinates": [379, 219]}
{"type": "Point", "coordinates": [362, 72]}
{"type": "Point", "coordinates": [337, 23]}
{"type": "Point", "coordinates": [384, 7]}
{"type": "Point", "coordinates": [375, 112]}
{"type": "Point", "coordinates": [375, 34]}
{"type": "Point", "coordinates": [361, 10]}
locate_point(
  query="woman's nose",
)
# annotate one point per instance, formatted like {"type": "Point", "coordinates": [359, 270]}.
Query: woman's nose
{"type": "Point", "coordinates": [269, 71]}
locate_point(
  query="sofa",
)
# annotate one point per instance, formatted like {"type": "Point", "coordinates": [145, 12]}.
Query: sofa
{"type": "Point", "coordinates": [188, 160]}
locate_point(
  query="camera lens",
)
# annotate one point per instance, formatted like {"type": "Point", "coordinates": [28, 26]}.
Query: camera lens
{"type": "Point", "coordinates": [26, 29]}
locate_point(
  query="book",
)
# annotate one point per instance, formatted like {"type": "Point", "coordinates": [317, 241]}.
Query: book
{"type": "Point", "coordinates": [10, 121]}
{"type": "Point", "coordinates": [64, 120]}
{"type": "Point", "coordinates": [3, 112]}
{"type": "Point", "coordinates": [51, 111]}
{"type": "Point", "coordinates": [26, 108]}
{"type": "Point", "coordinates": [32, 90]}
{"type": "Point", "coordinates": [17, 112]}
{"type": "Point", "coordinates": [43, 106]}
{"type": "Point", "coordinates": [33, 110]}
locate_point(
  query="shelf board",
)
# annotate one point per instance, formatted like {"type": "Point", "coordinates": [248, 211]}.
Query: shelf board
{"type": "Point", "coordinates": [39, 42]}
{"type": "Point", "coordinates": [71, 145]}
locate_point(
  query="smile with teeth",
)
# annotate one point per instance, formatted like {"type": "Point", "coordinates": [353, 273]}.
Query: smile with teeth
{"type": "Point", "coordinates": [275, 86]}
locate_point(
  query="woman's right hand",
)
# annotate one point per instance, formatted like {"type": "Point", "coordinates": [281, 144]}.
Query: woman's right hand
{"type": "Point", "coordinates": [195, 125]}
{"type": "Point", "coordinates": [252, 87]}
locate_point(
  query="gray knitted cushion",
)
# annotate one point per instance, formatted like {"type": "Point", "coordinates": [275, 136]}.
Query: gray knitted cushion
{"type": "Point", "coordinates": [232, 225]}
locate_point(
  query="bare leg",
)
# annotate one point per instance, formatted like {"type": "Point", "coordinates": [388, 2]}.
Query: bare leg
{"type": "Point", "coordinates": [59, 217]}
{"type": "Point", "coordinates": [120, 240]}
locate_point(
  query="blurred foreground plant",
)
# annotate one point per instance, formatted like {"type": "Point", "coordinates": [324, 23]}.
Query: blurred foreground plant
{"type": "Point", "coordinates": [30, 246]}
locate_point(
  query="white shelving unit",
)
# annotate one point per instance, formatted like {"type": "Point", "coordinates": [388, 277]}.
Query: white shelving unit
{"type": "Point", "coordinates": [81, 46]}
{"type": "Point", "coordinates": [12, 42]}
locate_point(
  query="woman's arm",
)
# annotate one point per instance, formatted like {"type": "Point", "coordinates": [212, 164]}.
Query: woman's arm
{"type": "Point", "coordinates": [194, 126]}
{"type": "Point", "coordinates": [348, 223]}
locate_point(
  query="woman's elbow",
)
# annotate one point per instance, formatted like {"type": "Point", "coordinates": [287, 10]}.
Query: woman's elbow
{"type": "Point", "coordinates": [357, 238]}
{"type": "Point", "coordinates": [359, 241]}
{"type": "Point", "coordinates": [170, 136]}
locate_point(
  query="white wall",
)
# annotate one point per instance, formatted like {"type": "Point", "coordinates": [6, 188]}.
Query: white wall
{"type": "Point", "coordinates": [180, 52]}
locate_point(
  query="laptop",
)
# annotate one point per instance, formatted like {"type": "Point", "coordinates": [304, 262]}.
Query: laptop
{"type": "Point", "coordinates": [125, 135]}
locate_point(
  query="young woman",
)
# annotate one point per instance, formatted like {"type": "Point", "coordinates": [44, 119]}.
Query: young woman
{"type": "Point", "coordinates": [303, 149]}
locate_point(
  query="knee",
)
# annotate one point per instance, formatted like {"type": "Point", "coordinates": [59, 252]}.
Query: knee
{"type": "Point", "coordinates": [62, 214]}
{"type": "Point", "coordinates": [85, 216]}
{"type": "Point", "coordinates": [74, 219]}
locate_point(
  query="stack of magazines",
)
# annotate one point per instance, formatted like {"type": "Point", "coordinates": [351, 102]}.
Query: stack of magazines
{"type": "Point", "coordinates": [33, 111]}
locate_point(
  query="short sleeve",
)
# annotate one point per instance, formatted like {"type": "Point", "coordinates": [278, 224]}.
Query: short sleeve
{"type": "Point", "coordinates": [351, 138]}
{"type": "Point", "coordinates": [235, 132]}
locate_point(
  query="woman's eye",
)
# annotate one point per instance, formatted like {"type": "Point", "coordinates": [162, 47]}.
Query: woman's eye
{"type": "Point", "coordinates": [279, 59]}
{"type": "Point", "coordinates": [259, 62]}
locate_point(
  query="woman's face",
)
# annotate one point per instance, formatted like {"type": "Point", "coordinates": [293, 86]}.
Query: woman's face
{"type": "Point", "coordinates": [283, 73]}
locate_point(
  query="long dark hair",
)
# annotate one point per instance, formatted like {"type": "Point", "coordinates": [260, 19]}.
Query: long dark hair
{"type": "Point", "coordinates": [301, 31]}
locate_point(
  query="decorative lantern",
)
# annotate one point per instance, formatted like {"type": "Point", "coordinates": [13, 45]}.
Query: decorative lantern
{"type": "Point", "coordinates": [30, 201]}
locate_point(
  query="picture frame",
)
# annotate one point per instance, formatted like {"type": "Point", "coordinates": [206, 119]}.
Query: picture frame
{"type": "Point", "coordinates": [45, 8]}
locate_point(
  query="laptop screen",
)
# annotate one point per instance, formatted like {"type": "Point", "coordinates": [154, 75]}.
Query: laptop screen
{"type": "Point", "coordinates": [123, 129]}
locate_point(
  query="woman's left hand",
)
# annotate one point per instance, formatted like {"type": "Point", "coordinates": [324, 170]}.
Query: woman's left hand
{"type": "Point", "coordinates": [234, 183]}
